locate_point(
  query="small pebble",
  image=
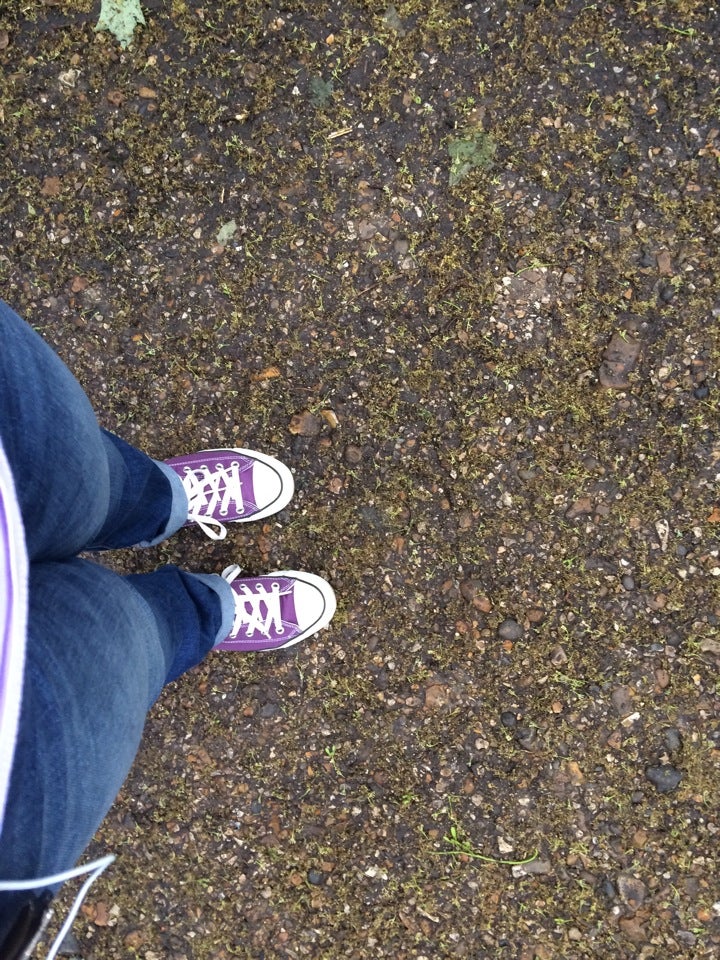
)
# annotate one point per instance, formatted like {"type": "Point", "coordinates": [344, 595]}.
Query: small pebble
{"type": "Point", "coordinates": [622, 701]}
{"type": "Point", "coordinates": [664, 779]}
{"type": "Point", "coordinates": [673, 739]}
{"type": "Point", "coordinates": [508, 719]}
{"type": "Point", "coordinates": [632, 890]}
{"type": "Point", "coordinates": [353, 455]}
{"type": "Point", "coordinates": [510, 630]}
{"type": "Point", "coordinates": [628, 582]}
{"type": "Point", "coordinates": [315, 877]}
{"type": "Point", "coordinates": [558, 657]}
{"type": "Point", "coordinates": [527, 737]}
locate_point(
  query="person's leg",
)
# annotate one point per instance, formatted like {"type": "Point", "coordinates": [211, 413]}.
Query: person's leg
{"type": "Point", "coordinates": [100, 649]}
{"type": "Point", "coordinates": [78, 486]}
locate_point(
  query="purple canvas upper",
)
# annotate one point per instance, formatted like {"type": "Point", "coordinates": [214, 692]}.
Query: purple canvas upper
{"type": "Point", "coordinates": [234, 495]}
{"type": "Point", "coordinates": [13, 621]}
{"type": "Point", "coordinates": [269, 619]}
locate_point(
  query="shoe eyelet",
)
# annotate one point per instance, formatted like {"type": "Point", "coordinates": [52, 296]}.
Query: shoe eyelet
{"type": "Point", "coordinates": [280, 630]}
{"type": "Point", "coordinates": [275, 585]}
{"type": "Point", "coordinates": [234, 463]}
{"type": "Point", "coordinates": [224, 513]}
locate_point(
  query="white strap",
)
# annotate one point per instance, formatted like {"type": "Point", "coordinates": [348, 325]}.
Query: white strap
{"type": "Point", "coordinates": [94, 869]}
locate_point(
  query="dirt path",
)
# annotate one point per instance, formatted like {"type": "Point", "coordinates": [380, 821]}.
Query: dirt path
{"type": "Point", "coordinates": [458, 265]}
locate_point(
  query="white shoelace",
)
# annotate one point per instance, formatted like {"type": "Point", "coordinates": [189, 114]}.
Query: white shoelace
{"type": "Point", "coordinates": [94, 869]}
{"type": "Point", "coordinates": [248, 612]}
{"type": "Point", "coordinates": [212, 490]}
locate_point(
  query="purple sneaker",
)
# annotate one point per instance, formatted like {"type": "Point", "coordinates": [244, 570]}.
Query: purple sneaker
{"type": "Point", "coordinates": [231, 485]}
{"type": "Point", "coordinates": [277, 610]}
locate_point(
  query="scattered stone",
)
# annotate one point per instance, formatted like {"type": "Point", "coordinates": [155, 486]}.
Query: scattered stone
{"type": "Point", "coordinates": [134, 940]}
{"type": "Point", "coordinates": [664, 779]}
{"type": "Point", "coordinates": [470, 589]}
{"type": "Point", "coordinates": [619, 360]}
{"type": "Point", "coordinates": [528, 738]}
{"type": "Point", "coordinates": [510, 630]}
{"type": "Point", "coordinates": [631, 890]}
{"type": "Point", "coordinates": [366, 230]}
{"type": "Point", "coordinates": [305, 424]}
{"type": "Point", "coordinates": [508, 719]}
{"type": "Point", "coordinates": [673, 739]}
{"type": "Point", "coordinates": [580, 508]}
{"type": "Point", "coordinates": [622, 701]}
{"type": "Point", "coordinates": [436, 695]}
{"type": "Point", "coordinates": [534, 868]}
{"type": "Point", "coordinates": [315, 877]}
{"type": "Point", "coordinates": [472, 592]}
{"type": "Point", "coordinates": [558, 657]}
{"type": "Point", "coordinates": [115, 98]}
{"type": "Point", "coordinates": [640, 838]}
{"type": "Point", "coordinates": [627, 582]}
{"type": "Point", "coordinates": [664, 263]}
{"type": "Point", "coordinates": [465, 520]}
{"type": "Point", "coordinates": [633, 929]}
{"type": "Point", "coordinates": [353, 455]}
{"type": "Point", "coordinates": [708, 645]}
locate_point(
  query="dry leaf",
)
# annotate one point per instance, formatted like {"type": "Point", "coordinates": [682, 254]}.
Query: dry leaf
{"type": "Point", "coordinates": [269, 373]}
{"type": "Point", "coordinates": [715, 515]}
{"type": "Point", "coordinates": [147, 93]}
{"type": "Point", "coordinates": [79, 284]}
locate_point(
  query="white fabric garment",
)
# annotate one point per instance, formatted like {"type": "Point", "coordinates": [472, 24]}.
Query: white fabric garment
{"type": "Point", "coordinates": [13, 622]}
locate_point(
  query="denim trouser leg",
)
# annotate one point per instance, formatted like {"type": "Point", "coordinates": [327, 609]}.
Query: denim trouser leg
{"type": "Point", "coordinates": [100, 646]}
{"type": "Point", "coordinates": [78, 486]}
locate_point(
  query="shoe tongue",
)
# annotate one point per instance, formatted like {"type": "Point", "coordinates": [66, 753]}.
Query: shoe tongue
{"type": "Point", "coordinates": [288, 614]}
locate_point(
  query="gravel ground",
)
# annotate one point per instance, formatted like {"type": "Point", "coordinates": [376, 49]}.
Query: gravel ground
{"type": "Point", "coordinates": [457, 264]}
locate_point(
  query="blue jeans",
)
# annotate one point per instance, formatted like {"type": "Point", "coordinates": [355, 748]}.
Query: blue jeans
{"type": "Point", "coordinates": [100, 646]}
